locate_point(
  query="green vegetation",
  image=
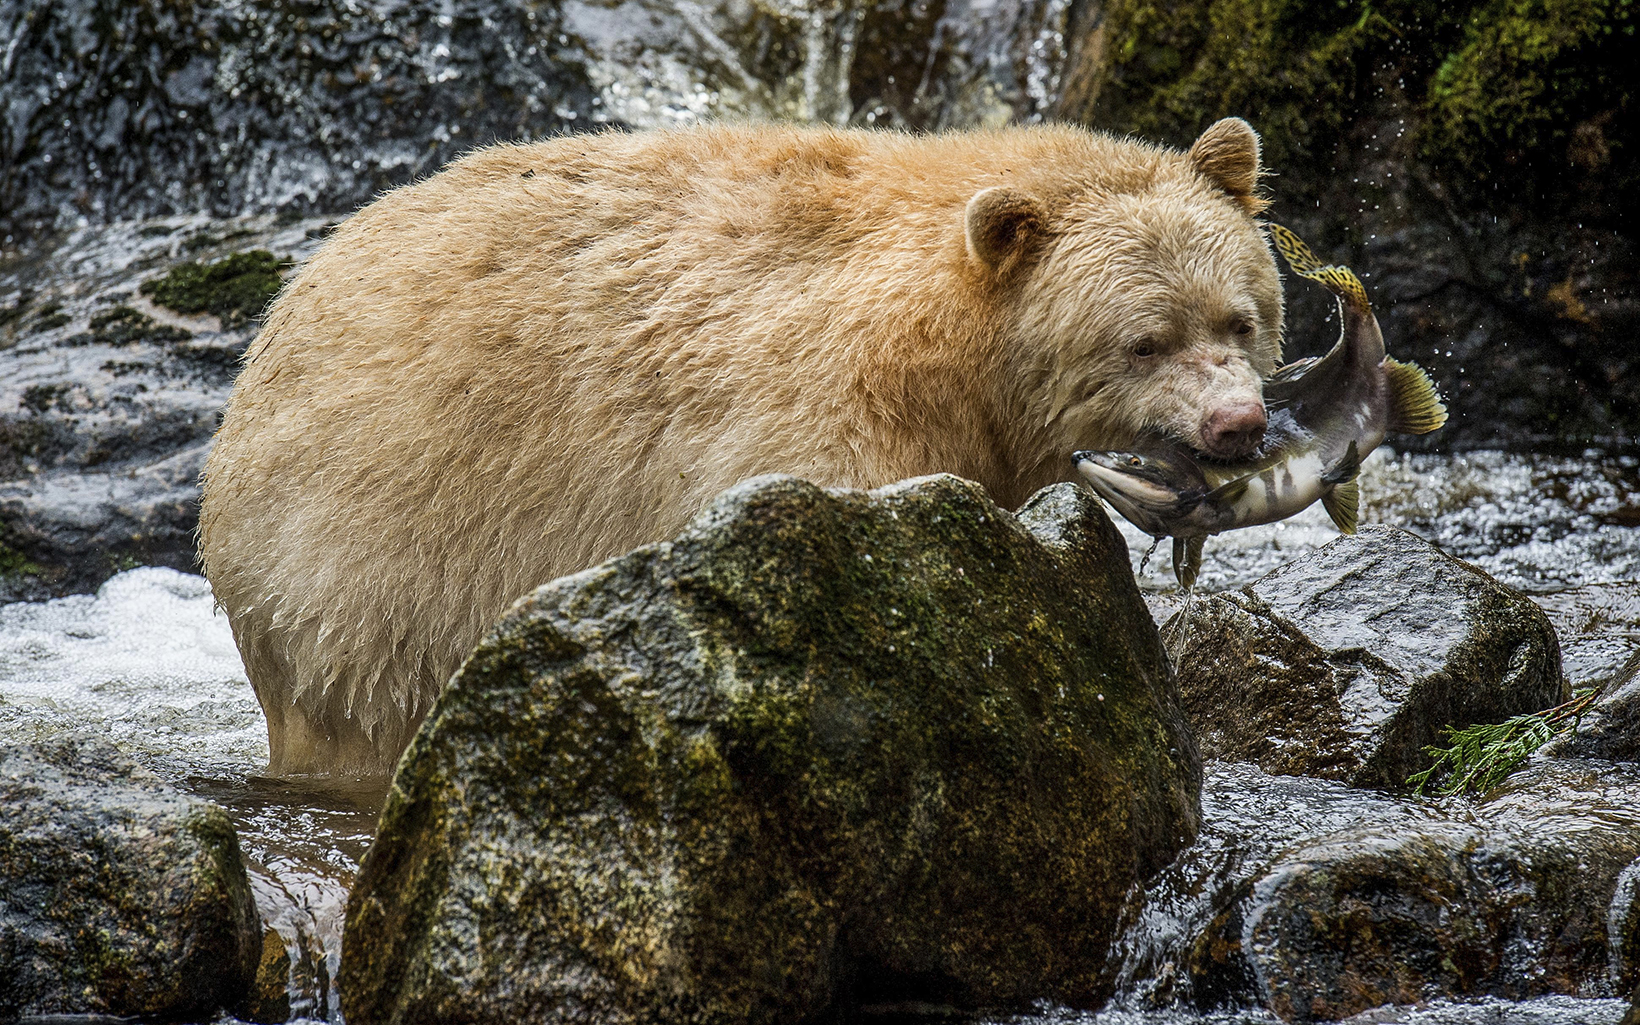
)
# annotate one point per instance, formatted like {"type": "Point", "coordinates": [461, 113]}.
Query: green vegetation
{"type": "Point", "coordinates": [1488, 92]}
{"type": "Point", "coordinates": [39, 398]}
{"type": "Point", "coordinates": [236, 288]}
{"type": "Point", "coordinates": [123, 325]}
{"type": "Point", "coordinates": [1482, 756]}
{"type": "Point", "coordinates": [15, 564]}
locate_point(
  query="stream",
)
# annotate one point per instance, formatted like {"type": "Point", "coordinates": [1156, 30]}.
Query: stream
{"type": "Point", "coordinates": [148, 663]}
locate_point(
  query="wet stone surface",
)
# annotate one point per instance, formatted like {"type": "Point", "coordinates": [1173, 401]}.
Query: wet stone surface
{"type": "Point", "coordinates": [1320, 902]}
{"type": "Point", "coordinates": [1347, 663]}
{"type": "Point", "coordinates": [149, 666]}
{"type": "Point", "coordinates": [112, 110]}
{"type": "Point", "coordinates": [118, 894]}
{"type": "Point", "coordinates": [823, 749]}
{"type": "Point", "coordinates": [108, 399]}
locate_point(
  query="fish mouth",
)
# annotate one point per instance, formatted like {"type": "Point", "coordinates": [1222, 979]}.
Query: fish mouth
{"type": "Point", "coordinates": [1142, 502]}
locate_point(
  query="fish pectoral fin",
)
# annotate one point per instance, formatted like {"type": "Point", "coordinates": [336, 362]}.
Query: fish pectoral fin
{"type": "Point", "coordinates": [1415, 407]}
{"type": "Point", "coordinates": [1343, 504]}
{"type": "Point", "coordinates": [1343, 499]}
{"type": "Point", "coordinates": [1280, 386]}
{"type": "Point", "coordinates": [1187, 560]}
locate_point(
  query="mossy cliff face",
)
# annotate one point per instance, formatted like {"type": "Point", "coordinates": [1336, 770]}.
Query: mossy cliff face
{"type": "Point", "coordinates": [1478, 162]}
{"type": "Point", "coordinates": [821, 749]}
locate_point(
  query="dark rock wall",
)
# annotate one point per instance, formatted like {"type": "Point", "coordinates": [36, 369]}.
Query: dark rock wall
{"type": "Point", "coordinates": [1476, 161]}
{"type": "Point", "coordinates": [112, 109]}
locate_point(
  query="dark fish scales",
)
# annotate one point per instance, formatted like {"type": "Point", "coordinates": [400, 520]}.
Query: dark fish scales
{"type": "Point", "coordinates": [1325, 415]}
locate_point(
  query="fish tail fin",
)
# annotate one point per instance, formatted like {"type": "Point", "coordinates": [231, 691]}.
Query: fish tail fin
{"type": "Point", "coordinates": [1299, 256]}
{"type": "Point", "coordinates": [1187, 560]}
{"type": "Point", "coordinates": [1415, 407]}
{"type": "Point", "coordinates": [1343, 499]}
{"type": "Point", "coordinates": [1335, 278]}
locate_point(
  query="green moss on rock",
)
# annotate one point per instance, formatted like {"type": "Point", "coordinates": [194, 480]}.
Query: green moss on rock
{"type": "Point", "coordinates": [1499, 91]}
{"type": "Point", "coordinates": [236, 288]}
{"type": "Point", "coordinates": [821, 749]}
{"type": "Point", "coordinates": [123, 325]}
{"type": "Point", "coordinates": [118, 895]}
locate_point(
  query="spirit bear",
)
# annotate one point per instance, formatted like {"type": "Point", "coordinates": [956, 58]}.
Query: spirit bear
{"type": "Point", "coordinates": [549, 354]}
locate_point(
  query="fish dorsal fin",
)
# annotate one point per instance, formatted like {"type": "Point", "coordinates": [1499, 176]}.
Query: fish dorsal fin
{"type": "Point", "coordinates": [1187, 560]}
{"type": "Point", "coordinates": [1343, 499]}
{"type": "Point", "coordinates": [1335, 278]}
{"type": "Point", "coordinates": [1415, 407]}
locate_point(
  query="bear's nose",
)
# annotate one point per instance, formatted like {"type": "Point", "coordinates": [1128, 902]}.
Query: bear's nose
{"type": "Point", "coordinates": [1234, 430]}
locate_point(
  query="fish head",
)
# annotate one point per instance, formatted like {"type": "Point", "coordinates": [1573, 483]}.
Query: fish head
{"type": "Point", "coordinates": [1155, 490]}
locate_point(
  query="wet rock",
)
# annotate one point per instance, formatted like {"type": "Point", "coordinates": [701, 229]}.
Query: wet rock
{"type": "Point", "coordinates": [111, 109]}
{"type": "Point", "coordinates": [822, 749]}
{"type": "Point", "coordinates": [1599, 627]}
{"type": "Point", "coordinates": [1346, 663]}
{"type": "Point", "coordinates": [121, 350]}
{"type": "Point", "coordinates": [118, 895]}
{"type": "Point", "coordinates": [1320, 902]}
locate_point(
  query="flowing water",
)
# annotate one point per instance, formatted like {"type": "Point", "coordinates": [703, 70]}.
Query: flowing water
{"type": "Point", "coordinates": [149, 663]}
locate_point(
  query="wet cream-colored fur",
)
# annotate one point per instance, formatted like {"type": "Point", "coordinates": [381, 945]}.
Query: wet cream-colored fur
{"type": "Point", "coordinates": [549, 354]}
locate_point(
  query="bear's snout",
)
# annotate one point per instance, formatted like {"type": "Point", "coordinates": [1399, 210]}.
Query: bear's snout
{"type": "Point", "coordinates": [1234, 430]}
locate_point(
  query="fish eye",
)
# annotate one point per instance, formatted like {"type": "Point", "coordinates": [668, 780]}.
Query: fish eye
{"type": "Point", "coordinates": [1135, 461]}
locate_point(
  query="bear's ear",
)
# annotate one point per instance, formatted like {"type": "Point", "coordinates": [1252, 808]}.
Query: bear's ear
{"type": "Point", "coordinates": [1227, 155]}
{"type": "Point", "coordinates": [1001, 225]}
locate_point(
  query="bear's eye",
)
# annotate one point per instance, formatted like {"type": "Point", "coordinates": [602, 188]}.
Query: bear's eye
{"type": "Point", "coordinates": [1144, 348]}
{"type": "Point", "coordinates": [1241, 326]}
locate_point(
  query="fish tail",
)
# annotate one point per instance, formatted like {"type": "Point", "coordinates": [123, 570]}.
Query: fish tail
{"type": "Point", "coordinates": [1415, 407]}
{"type": "Point", "coordinates": [1335, 278]}
{"type": "Point", "coordinates": [1292, 249]}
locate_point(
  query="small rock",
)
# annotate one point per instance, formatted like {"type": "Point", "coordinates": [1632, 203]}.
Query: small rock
{"type": "Point", "coordinates": [118, 895]}
{"type": "Point", "coordinates": [1347, 663]}
{"type": "Point", "coordinates": [823, 749]}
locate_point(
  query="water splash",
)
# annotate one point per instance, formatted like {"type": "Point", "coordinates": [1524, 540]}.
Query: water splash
{"type": "Point", "coordinates": [150, 664]}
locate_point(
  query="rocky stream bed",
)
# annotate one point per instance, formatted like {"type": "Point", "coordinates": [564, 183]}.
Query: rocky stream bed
{"type": "Point", "coordinates": [164, 165]}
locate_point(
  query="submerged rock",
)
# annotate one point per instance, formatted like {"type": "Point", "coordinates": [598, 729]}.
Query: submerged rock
{"type": "Point", "coordinates": [1346, 664]}
{"type": "Point", "coordinates": [822, 749]}
{"type": "Point", "coordinates": [118, 895]}
{"type": "Point", "coordinates": [1320, 902]}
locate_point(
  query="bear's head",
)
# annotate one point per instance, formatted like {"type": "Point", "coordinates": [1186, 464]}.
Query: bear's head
{"type": "Point", "coordinates": [1144, 297]}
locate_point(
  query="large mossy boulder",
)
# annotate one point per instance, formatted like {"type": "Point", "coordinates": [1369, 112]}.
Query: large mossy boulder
{"type": "Point", "coordinates": [1347, 663]}
{"type": "Point", "coordinates": [822, 749]}
{"type": "Point", "coordinates": [118, 895]}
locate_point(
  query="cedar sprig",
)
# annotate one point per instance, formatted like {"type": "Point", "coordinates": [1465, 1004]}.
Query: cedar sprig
{"type": "Point", "coordinates": [1482, 756]}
